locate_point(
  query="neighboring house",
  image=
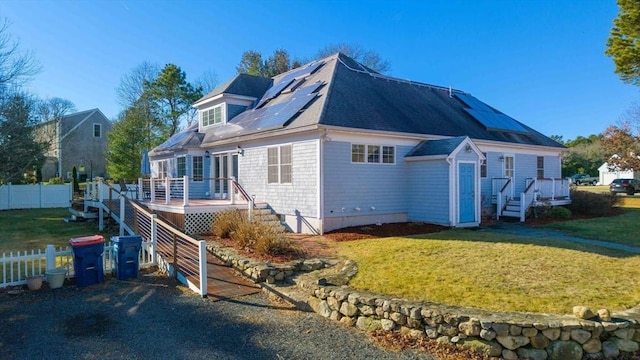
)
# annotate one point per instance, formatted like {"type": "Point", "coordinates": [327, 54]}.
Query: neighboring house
{"type": "Point", "coordinates": [78, 139]}
{"type": "Point", "coordinates": [607, 175]}
{"type": "Point", "coordinates": [334, 144]}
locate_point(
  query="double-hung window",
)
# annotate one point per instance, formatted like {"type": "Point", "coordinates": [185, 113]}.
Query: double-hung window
{"type": "Point", "coordinates": [97, 130]}
{"type": "Point", "coordinates": [181, 164]}
{"type": "Point", "coordinates": [540, 173]}
{"type": "Point", "coordinates": [197, 168]}
{"type": "Point", "coordinates": [279, 170]}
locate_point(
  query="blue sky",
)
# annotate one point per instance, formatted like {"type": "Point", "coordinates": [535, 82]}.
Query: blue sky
{"type": "Point", "coordinates": [541, 62]}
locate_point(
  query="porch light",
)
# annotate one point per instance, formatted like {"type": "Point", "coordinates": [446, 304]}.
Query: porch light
{"type": "Point", "coordinates": [467, 148]}
{"type": "Point", "coordinates": [501, 158]}
{"type": "Point", "coordinates": [239, 150]}
{"type": "Point", "coordinates": [207, 154]}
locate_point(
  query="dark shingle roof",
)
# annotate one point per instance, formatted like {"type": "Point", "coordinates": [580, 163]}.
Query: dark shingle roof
{"type": "Point", "coordinates": [241, 84]}
{"type": "Point", "coordinates": [360, 100]}
{"type": "Point", "coordinates": [436, 147]}
{"type": "Point", "coordinates": [188, 138]}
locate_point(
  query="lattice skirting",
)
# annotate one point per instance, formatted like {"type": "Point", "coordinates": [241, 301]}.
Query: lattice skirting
{"type": "Point", "coordinates": [198, 223]}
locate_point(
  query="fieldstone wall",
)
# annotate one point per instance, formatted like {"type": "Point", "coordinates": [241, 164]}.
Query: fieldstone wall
{"type": "Point", "coordinates": [507, 335]}
{"type": "Point", "coordinates": [259, 271]}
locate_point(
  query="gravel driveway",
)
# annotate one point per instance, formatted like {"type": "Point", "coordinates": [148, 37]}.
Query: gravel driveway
{"type": "Point", "coordinates": [155, 318]}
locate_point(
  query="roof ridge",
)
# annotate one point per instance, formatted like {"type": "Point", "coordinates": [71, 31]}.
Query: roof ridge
{"type": "Point", "coordinates": [400, 80]}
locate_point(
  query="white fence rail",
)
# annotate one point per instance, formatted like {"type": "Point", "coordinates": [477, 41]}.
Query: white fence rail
{"type": "Point", "coordinates": [35, 196]}
{"type": "Point", "coordinates": [15, 267]}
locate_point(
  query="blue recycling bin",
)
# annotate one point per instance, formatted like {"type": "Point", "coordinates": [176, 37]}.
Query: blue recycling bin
{"type": "Point", "coordinates": [125, 254]}
{"type": "Point", "coordinates": [87, 259]}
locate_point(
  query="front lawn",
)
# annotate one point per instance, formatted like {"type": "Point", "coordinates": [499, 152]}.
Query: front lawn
{"type": "Point", "coordinates": [496, 272]}
{"type": "Point", "coordinates": [622, 229]}
{"type": "Point", "coordinates": [37, 228]}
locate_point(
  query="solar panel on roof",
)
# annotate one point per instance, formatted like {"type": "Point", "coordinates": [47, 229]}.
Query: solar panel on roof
{"type": "Point", "coordinates": [488, 117]}
{"type": "Point", "coordinates": [273, 92]}
{"type": "Point", "coordinates": [279, 114]}
{"type": "Point", "coordinates": [302, 72]}
{"type": "Point", "coordinates": [496, 121]}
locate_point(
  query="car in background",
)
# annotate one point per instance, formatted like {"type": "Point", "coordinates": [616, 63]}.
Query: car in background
{"type": "Point", "coordinates": [583, 179]}
{"type": "Point", "coordinates": [628, 186]}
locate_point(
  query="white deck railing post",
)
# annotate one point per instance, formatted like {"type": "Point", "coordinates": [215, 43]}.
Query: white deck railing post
{"type": "Point", "coordinates": [167, 190]}
{"type": "Point", "coordinates": [523, 206]}
{"type": "Point", "coordinates": [185, 190]}
{"type": "Point", "coordinates": [202, 246]}
{"type": "Point", "coordinates": [152, 184]}
{"type": "Point", "coordinates": [499, 205]}
{"type": "Point", "coordinates": [122, 215]}
{"type": "Point", "coordinates": [100, 187]}
{"type": "Point", "coordinates": [154, 239]}
{"type": "Point", "coordinates": [231, 190]}
{"type": "Point", "coordinates": [140, 193]}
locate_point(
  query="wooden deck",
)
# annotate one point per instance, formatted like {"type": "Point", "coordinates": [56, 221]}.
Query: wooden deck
{"type": "Point", "coordinates": [224, 283]}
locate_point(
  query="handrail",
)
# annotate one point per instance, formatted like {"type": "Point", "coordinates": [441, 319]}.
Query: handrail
{"type": "Point", "coordinates": [240, 189]}
{"type": "Point", "coordinates": [506, 184]}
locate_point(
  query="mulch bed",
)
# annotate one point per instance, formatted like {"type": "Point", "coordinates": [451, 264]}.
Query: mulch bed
{"type": "Point", "coordinates": [383, 230]}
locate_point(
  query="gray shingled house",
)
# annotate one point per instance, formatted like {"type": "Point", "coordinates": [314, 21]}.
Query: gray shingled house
{"type": "Point", "coordinates": [78, 139]}
{"type": "Point", "coordinates": [334, 144]}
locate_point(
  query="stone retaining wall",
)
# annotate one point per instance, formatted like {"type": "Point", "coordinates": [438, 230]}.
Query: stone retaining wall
{"type": "Point", "coordinates": [507, 335]}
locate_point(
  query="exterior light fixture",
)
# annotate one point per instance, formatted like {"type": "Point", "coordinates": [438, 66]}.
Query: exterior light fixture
{"type": "Point", "coordinates": [239, 150]}
{"type": "Point", "coordinates": [206, 154]}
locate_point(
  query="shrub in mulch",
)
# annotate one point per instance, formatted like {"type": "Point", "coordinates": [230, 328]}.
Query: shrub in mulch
{"type": "Point", "coordinates": [592, 204]}
{"type": "Point", "coordinates": [253, 236]}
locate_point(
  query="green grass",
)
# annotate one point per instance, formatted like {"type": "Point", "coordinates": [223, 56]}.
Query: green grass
{"type": "Point", "coordinates": [622, 229]}
{"type": "Point", "coordinates": [496, 272]}
{"type": "Point", "coordinates": [37, 228]}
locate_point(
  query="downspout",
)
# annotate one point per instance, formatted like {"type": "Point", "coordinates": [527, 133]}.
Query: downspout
{"type": "Point", "coordinates": [59, 136]}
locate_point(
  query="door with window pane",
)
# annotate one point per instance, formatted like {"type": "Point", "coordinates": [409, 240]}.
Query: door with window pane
{"type": "Point", "coordinates": [224, 166]}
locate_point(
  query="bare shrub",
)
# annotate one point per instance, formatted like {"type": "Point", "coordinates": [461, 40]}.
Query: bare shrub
{"type": "Point", "coordinates": [226, 222]}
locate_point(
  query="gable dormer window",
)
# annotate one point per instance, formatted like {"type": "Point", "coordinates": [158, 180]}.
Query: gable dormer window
{"type": "Point", "coordinates": [213, 116]}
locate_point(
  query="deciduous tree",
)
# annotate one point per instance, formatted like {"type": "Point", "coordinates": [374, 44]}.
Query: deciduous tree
{"type": "Point", "coordinates": [368, 58]}
{"type": "Point", "coordinates": [16, 66]}
{"type": "Point", "coordinates": [623, 147]}
{"type": "Point", "coordinates": [623, 44]}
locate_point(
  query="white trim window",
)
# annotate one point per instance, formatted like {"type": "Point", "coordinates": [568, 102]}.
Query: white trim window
{"type": "Point", "coordinates": [197, 168]}
{"type": "Point", "coordinates": [181, 166]}
{"type": "Point", "coordinates": [97, 130]}
{"type": "Point", "coordinates": [509, 166]}
{"type": "Point", "coordinates": [540, 172]}
{"type": "Point", "coordinates": [162, 169]}
{"type": "Point", "coordinates": [373, 154]}
{"type": "Point", "coordinates": [213, 116]}
{"type": "Point", "coordinates": [279, 168]}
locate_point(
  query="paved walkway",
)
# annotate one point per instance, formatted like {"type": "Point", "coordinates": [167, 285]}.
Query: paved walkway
{"type": "Point", "coordinates": [533, 232]}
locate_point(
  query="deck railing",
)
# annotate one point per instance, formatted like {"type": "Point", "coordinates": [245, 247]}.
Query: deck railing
{"type": "Point", "coordinates": [179, 254]}
{"type": "Point", "coordinates": [504, 187]}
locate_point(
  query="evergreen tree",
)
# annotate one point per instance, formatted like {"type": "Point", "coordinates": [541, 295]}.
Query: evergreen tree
{"type": "Point", "coordinates": [623, 44]}
{"type": "Point", "coordinates": [172, 95]}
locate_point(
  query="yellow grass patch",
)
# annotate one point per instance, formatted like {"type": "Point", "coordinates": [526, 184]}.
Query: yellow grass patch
{"type": "Point", "coordinates": [496, 272]}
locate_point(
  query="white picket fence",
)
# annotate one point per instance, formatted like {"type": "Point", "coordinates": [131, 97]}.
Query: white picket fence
{"type": "Point", "coordinates": [15, 267]}
{"type": "Point", "coordinates": [35, 196]}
